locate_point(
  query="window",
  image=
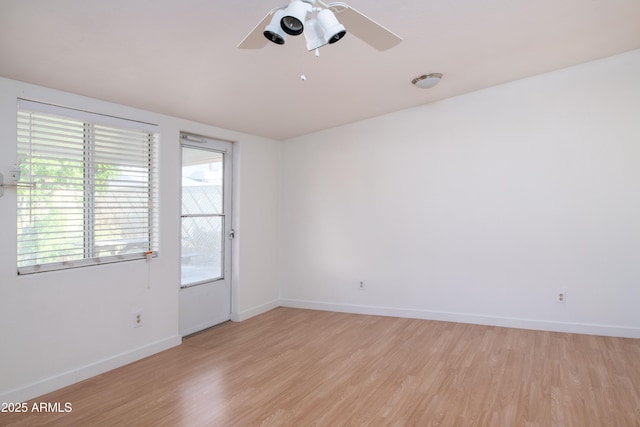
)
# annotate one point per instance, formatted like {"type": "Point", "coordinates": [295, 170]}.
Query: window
{"type": "Point", "coordinates": [94, 200]}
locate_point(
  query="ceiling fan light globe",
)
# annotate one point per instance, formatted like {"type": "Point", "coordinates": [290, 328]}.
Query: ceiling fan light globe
{"type": "Point", "coordinates": [274, 37]}
{"type": "Point", "coordinates": [337, 36]}
{"type": "Point", "coordinates": [292, 26]}
{"type": "Point", "coordinates": [292, 21]}
{"type": "Point", "coordinates": [333, 30]}
{"type": "Point", "coordinates": [273, 32]}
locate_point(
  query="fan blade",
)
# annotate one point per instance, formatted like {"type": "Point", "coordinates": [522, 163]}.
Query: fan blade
{"type": "Point", "coordinates": [363, 27]}
{"type": "Point", "coordinates": [256, 39]}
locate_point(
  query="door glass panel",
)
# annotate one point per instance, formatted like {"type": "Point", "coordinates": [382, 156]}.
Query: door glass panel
{"type": "Point", "coordinates": [202, 216]}
{"type": "Point", "coordinates": [201, 249]}
{"type": "Point", "coordinates": [202, 173]}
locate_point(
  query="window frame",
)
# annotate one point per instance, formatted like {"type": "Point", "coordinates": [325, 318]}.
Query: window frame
{"type": "Point", "coordinates": [146, 134]}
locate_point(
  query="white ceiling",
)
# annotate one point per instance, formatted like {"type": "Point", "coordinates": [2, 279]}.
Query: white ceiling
{"type": "Point", "coordinates": [179, 57]}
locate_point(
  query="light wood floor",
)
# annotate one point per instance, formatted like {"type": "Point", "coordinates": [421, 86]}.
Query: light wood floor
{"type": "Point", "coordinates": [293, 367]}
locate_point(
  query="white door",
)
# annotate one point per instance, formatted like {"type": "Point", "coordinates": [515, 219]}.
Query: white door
{"type": "Point", "coordinates": [205, 284]}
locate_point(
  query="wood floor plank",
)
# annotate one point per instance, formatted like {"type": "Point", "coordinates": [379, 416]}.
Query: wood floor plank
{"type": "Point", "coordinates": [292, 367]}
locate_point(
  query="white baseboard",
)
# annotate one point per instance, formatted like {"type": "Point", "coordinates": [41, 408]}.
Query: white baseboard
{"type": "Point", "coordinates": [247, 314]}
{"type": "Point", "coordinates": [48, 385]}
{"type": "Point", "coordinates": [507, 322]}
{"type": "Point", "coordinates": [65, 379]}
{"type": "Point", "coordinates": [56, 382]}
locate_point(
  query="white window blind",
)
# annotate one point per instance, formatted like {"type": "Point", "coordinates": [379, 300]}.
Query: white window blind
{"type": "Point", "coordinates": [95, 196]}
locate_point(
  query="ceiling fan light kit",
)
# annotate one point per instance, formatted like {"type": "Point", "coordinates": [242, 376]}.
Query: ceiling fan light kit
{"type": "Point", "coordinates": [319, 24]}
{"type": "Point", "coordinates": [320, 30]}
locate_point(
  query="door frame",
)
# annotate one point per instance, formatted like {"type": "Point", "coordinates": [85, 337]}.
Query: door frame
{"type": "Point", "coordinates": [225, 147]}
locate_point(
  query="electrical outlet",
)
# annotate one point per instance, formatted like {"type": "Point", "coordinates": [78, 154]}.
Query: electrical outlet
{"type": "Point", "coordinates": [136, 318]}
{"type": "Point", "coordinates": [361, 285]}
{"type": "Point", "coordinates": [562, 296]}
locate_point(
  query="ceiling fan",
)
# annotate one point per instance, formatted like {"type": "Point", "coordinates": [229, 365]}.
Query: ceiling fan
{"type": "Point", "coordinates": [319, 24]}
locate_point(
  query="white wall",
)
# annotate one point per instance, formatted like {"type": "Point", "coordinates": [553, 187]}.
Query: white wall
{"type": "Point", "coordinates": [478, 208]}
{"type": "Point", "coordinates": [61, 327]}
{"type": "Point", "coordinates": [257, 237]}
